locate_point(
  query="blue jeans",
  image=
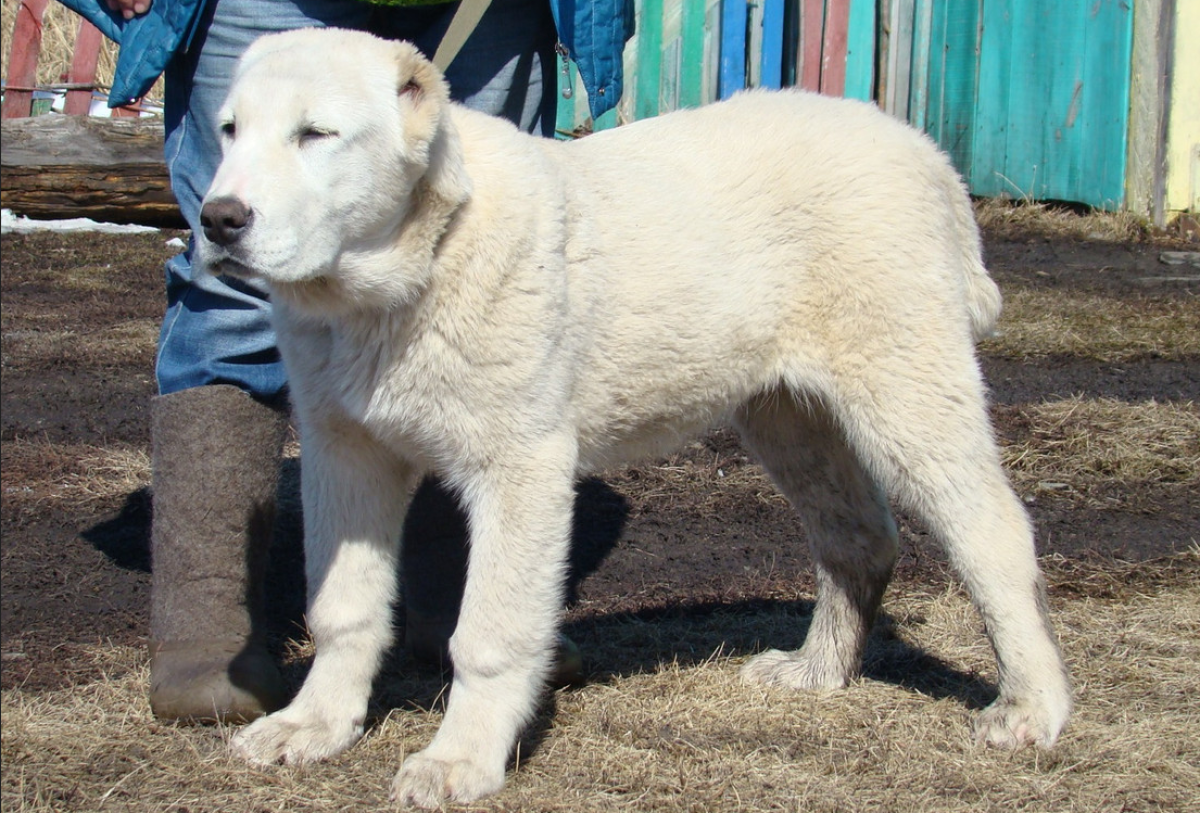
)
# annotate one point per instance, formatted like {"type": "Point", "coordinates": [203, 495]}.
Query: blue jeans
{"type": "Point", "coordinates": [218, 330]}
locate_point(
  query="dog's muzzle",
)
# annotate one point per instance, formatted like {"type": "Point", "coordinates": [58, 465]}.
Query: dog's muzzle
{"type": "Point", "coordinates": [225, 220]}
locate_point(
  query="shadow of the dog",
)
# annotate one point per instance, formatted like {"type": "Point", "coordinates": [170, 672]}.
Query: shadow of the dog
{"type": "Point", "coordinates": [618, 646]}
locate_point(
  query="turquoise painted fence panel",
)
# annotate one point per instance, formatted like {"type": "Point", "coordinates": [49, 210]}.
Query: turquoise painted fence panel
{"type": "Point", "coordinates": [998, 73]}
{"type": "Point", "coordinates": [691, 55]}
{"type": "Point", "coordinates": [649, 59]}
{"type": "Point", "coordinates": [860, 51]}
{"type": "Point", "coordinates": [1030, 98]}
{"type": "Point", "coordinates": [953, 67]}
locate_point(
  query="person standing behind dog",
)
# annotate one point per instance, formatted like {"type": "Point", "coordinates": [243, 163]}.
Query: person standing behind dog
{"type": "Point", "coordinates": [218, 423]}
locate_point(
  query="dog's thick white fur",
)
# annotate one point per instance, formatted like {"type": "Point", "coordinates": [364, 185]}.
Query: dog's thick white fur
{"type": "Point", "coordinates": [454, 296]}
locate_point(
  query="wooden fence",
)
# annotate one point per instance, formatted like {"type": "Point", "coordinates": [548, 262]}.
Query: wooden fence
{"type": "Point", "coordinates": [686, 53]}
{"type": "Point", "coordinates": [1032, 99]}
{"type": "Point", "coordinates": [1092, 101]}
{"type": "Point", "coordinates": [80, 82]}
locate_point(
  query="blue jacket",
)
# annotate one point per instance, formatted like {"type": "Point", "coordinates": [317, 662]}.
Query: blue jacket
{"type": "Point", "coordinates": [593, 31]}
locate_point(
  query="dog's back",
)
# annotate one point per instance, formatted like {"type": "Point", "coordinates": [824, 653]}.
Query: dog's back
{"type": "Point", "coordinates": [751, 239]}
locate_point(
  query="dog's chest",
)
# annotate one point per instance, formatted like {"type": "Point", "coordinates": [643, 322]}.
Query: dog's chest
{"type": "Point", "coordinates": [376, 376]}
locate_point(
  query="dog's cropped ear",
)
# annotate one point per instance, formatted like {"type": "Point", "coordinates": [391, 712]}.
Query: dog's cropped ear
{"type": "Point", "coordinates": [424, 100]}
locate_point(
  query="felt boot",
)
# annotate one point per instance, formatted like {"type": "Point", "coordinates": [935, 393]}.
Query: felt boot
{"type": "Point", "coordinates": [215, 462]}
{"type": "Point", "coordinates": [434, 566]}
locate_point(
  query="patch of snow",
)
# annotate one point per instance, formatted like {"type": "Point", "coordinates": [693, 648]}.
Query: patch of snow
{"type": "Point", "coordinates": [10, 223]}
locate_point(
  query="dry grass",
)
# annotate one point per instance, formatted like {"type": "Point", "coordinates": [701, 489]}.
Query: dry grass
{"type": "Point", "coordinates": [1037, 323]}
{"type": "Point", "coordinates": [691, 737]}
{"type": "Point", "coordinates": [1078, 446]}
{"type": "Point", "coordinates": [716, 470]}
{"type": "Point", "coordinates": [686, 735]}
{"type": "Point", "coordinates": [1004, 217]}
{"type": "Point", "coordinates": [37, 473]}
{"type": "Point", "coordinates": [36, 347]}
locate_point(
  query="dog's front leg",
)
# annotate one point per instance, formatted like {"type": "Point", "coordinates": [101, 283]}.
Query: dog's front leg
{"type": "Point", "coordinates": [502, 648]}
{"type": "Point", "coordinates": [353, 493]}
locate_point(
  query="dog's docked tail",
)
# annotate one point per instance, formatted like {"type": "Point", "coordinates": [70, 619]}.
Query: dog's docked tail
{"type": "Point", "coordinates": [983, 296]}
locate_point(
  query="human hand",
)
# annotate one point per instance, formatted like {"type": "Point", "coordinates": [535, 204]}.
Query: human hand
{"type": "Point", "coordinates": [129, 8]}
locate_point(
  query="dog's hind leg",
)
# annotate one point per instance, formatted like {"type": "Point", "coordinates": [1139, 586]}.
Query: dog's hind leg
{"type": "Point", "coordinates": [353, 492]}
{"type": "Point", "coordinates": [505, 640]}
{"type": "Point", "coordinates": [921, 426]}
{"type": "Point", "coordinates": [850, 530]}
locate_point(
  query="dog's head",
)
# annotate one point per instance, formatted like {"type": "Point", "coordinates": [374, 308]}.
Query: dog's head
{"type": "Point", "coordinates": [331, 140]}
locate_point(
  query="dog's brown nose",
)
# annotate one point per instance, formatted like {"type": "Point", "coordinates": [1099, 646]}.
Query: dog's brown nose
{"type": "Point", "coordinates": [225, 220]}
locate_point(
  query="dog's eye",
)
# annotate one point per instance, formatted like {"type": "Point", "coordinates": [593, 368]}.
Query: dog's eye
{"type": "Point", "coordinates": [228, 129]}
{"type": "Point", "coordinates": [310, 134]}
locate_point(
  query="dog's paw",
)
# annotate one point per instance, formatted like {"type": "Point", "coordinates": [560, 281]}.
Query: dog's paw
{"type": "Point", "coordinates": [795, 670]}
{"type": "Point", "coordinates": [424, 781]}
{"type": "Point", "coordinates": [1015, 724]}
{"type": "Point", "coordinates": [294, 739]}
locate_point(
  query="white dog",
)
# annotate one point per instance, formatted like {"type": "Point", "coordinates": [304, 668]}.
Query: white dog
{"type": "Point", "coordinates": [454, 296]}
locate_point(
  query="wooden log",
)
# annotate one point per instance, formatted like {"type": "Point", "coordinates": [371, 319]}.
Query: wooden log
{"type": "Point", "coordinates": [77, 166]}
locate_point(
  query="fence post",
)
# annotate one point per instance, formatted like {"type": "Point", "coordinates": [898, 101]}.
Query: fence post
{"type": "Point", "coordinates": [83, 69]}
{"type": "Point", "coordinates": [833, 48]}
{"type": "Point", "coordinates": [649, 70]}
{"type": "Point", "coordinates": [772, 43]}
{"type": "Point", "coordinates": [691, 62]}
{"type": "Point", "coordinates": [23, 59]}
{"type": "Point", "coordinates": [812, 35]}
{"type": "Point", "coordinates": [733, 47]}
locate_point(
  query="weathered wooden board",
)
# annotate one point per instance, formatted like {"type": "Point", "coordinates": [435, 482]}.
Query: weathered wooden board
{"type": "Point", "coordinates": [23, 59]}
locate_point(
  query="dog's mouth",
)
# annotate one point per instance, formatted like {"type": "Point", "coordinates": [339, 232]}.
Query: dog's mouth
{"type": "Point", "coordinates": [223, 264]}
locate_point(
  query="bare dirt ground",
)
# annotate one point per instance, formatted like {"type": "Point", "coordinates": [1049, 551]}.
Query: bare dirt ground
{"type": "Point", "coordinates": [698, 533]}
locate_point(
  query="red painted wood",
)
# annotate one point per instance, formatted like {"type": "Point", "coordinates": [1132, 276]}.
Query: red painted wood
{"type": "Point", "coordinates": [23, 59]}
{"type": "Point", "coordinates": [812, 24]}
{"type": "Point", "coordinates": [833, 50]}
{"type": "Point", "coordinates": [83, 68]}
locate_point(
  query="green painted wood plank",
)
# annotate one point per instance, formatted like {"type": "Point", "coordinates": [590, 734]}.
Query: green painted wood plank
{"type": "Point", "coordinates": [1044, 101]}
{"type": "Point", "coordinates": [860, 51]}
{"type": "Point", "coordinates": [649, 59]}
{"type": "Point", "coordinates": [1067, 105]}
{"type": "Point", "coordinates": [952, 77]}
{"type": "Point", "coordinates": [1105, 105]}
{"type": "Point", "coordinates": [1041, 109]}
{"type": "Point", "coordinates": [712, 52]}
{"type": "Point", "coordinates": [668, 92]}
{"type": "Point", "coordinates": [691, 68]}
{"type": "Point", "coordinates": [672, 55]}
{"type": "Point", "coordinates": [987, 170]}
